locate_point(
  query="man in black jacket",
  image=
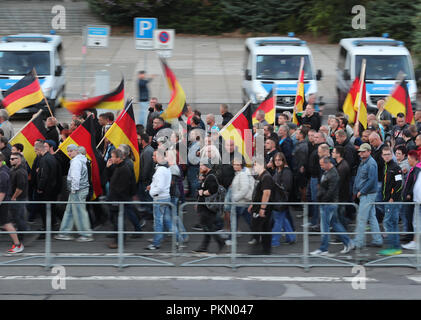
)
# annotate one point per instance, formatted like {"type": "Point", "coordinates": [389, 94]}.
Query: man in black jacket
{"type": "Point", "coordinates": [391, 191]}
{"type": "Point", "coordinates": [344, 178]}
{"type": "Point", "coordinates": [122, 186]}
{"type": "Point", "coordinates": [208, 187]}
{"type": "Point", "coordinates": [262, 214]}
{"type": "Point", "coordinates": [329, 192]}
{"type": "Point", "coordinates": [147, 168]}
{"type": "Point", "coordinates": [47, 176]}
{"type": "Point", "coordinates": [226, 116]}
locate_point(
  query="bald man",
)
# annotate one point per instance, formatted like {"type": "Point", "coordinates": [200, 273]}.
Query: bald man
{"type": "Point", "coordinates": [383, 116]}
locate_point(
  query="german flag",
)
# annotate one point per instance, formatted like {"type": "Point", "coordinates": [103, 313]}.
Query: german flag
{"type": "Point", "coordinates": [240, 130]}
{"type": "Point", "coordinates": [84, 136]}
{"type": "Point", "coordinates": [113, 100]}
{"type": "Point", "coordinates": [399, 102]}
{"type": "Point", "coordinates": [178, 97]}
{"type": "Point", "coordinates": [268, 106]}
{"type": "Point", "coordinates": [29, 134]}
{"type": "Point", "coordinates": [362, 115]}
{"type": "Point", "coordinates": [348, 106]}
{"type": "Point", "coordinates": [299, 98]}
{"type": "Point", "coordinates": [123, 131]}
{"type": "Point", "coordinates": [24, 93]}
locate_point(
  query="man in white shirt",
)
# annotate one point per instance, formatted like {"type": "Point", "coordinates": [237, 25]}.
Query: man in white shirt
{"type": "Point", "coordinates": [159, 190]}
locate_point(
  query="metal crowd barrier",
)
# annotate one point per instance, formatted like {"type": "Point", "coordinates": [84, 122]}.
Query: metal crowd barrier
{"type": "Point", "coordinates": [48, 259]}
{"type": "Point", "coordinates": [232, 260]}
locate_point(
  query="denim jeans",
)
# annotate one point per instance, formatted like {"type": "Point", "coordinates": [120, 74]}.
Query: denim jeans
{"type": "Point", "coordinates": [379, 198]}
{"type": "Point", "coordinates": [193, 180]}
{"type": "Point", "coordinates": [313, 209]}
{"type": "Point", "coordinates": [76, 214]}
{"type": "Point", "coordinates": [227, 207]}
{"type": "Point", "coordinates": [179, 224]}
{"type": "Point", "coordinates": [329, 218]}
{"type": "Point", "coordinates": [281, 223]}
{"type": "Point", "coordinates": [390, 223]}
{"type": "Point", "coordinates": [162, 219]}
{"type": "Point", "coordinates": [143, 113]}
{"type": "Point", "coordinates": [367, 212]}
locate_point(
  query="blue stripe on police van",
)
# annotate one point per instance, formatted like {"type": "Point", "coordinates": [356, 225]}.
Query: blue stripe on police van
{"type": "Point", "coordinates": [285, 89]}
{"type": "Point", "coordinates": [379, 89]}
{"type": "Point", "coordinates": [7, 83]}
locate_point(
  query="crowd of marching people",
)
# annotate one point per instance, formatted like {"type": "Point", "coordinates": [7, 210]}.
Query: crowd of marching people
{"type": "Point", "coordinates": [306, 162]}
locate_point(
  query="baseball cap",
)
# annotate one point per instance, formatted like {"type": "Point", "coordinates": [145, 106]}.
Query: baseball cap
{"type": "Point", "coordinates": [364, 147]}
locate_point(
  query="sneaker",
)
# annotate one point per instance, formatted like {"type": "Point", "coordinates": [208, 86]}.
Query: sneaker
{"type": "Point", "coordinates": [113, 245]}
{"type": "Point", "coordinates": [200, 250]}
{"type": "Point", "coordinates": [152, 247]}
{"type": "Point", "coordinates": [16, 249]}
{"type": "Point", "coordinates": [228, 242]}
{"type": "Point", "coordinates": [64, 237]}
{"type": "Point", "coordinates": [197, 227]}
{"type": "Point", "coordinates": [410, 246]}
{"type": "Point", "coordinates": [390, 252]}
{"type": "Point", "coordinates": [252, 241]}
{"type": "Point", "coordinates": [348, 248]}
{"type": "Point", "coordinates": [84, 239]}
{"type": "Point", "coordinates": [319, 252]}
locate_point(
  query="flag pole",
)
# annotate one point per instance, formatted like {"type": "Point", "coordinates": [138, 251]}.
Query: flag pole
{"type": "Point", "coordinates": [298, 82]}
{"type": "Point", "coordinates": [45, 99]}
{"type": "Point", "coordinates": [32, 119]}
{"type": "Point", "coordinates": [233, 118]}
{"type": "Point", "coordinates": [362, 79]}
{"type": "Point", "coordinates": [274, 102]}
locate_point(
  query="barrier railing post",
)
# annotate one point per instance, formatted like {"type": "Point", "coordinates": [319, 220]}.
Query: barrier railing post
{"type": "Point", "coordinates": [417, 233]}
{"type": "Point", "coordinates": [48, 236]}
{"type": "Point", "coordinates": [306, 239]}
{"type": "Point", "coordinates": [175, 230]}
{"type": "Point", "coordinates": [233, 235]}
{"type": "Point", "coordinates": [120, 235]}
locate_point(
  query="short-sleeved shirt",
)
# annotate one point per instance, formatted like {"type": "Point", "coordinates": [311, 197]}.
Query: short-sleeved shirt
{"type": "Point", "coordinates": [265, 182]}
{"type": "Point", "coordinates": [19, 180]}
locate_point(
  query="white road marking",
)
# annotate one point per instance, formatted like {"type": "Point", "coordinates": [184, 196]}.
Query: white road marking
{"type": "Point", "coordinates": [191, 278]}
{"type": "Point", "coordinates": [415, 278]}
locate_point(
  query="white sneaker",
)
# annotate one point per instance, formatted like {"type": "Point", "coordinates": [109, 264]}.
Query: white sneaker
{"type": "Point", "coordinates": [348, 248]}
{"type": "Point", "coordinates": [16, 249]}
{"type": "Point", "coordinates": [63, 237]}
{"type": "Point", "coordinates": [84, 239]}
{"type": "Point", "coordinates": [410, 246]}
{"type": "Point", "coordinates": [228, 242]}
{"type": "Point", "coordinates": [252, 241]}
{"type": "Point", "coordinates": [319, 252]}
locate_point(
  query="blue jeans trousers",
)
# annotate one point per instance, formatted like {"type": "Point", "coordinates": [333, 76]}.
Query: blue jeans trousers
{"type": "Point", "coordinates": [280, 224]}
{"type": "Point", "coordinates": [367, 212]}
{"type": "Point", "coordinates": [390, 223]}
{"type": "Point", "coordinates": [162, 220]}
{"type": "Point", "coordinates": [329, 217]}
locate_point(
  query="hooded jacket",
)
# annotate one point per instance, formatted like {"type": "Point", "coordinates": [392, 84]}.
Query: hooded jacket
{"type": "Point", "coordinates": [77, 178]}
{"type": "Point", "coordinates": [392, 181]}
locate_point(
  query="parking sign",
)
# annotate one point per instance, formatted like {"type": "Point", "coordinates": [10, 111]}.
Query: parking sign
{"type": "Point", "coordinates": [143, 33]}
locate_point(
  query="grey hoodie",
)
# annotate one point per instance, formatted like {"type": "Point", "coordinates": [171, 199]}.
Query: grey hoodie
{"type": "Point", "coordinates": [77, 178]}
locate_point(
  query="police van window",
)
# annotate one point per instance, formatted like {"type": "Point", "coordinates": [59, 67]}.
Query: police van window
{"type": "Point", "coordinates": [383, 67]}
{"type": "Point", "coordinates": [342, 58]}
{"type": "Point", "coordinates": [21, 62]}
{"type": "Point", "coordinates": [282, 67]}
{"type": "Point", "coordinates": [60, 54]}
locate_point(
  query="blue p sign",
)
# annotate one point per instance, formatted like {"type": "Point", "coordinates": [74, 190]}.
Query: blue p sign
{"type": "Point", "coordinates": [144, 28]}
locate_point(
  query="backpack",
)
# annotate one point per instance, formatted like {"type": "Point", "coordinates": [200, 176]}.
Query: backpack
{"type": "Point", "coordinates": [219, 196]}
{"type": "Point", "coordinates": [91, 187]}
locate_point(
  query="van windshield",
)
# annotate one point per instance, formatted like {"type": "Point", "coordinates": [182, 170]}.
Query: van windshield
{"type": "Point", "coordinates": [383, 67]}
{"type": "Point", "coordinates": [21, 62]}
{"type": "Point", "coordinates": [282, 67]}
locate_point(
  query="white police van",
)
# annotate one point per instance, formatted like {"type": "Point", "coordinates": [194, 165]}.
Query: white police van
{"type": "Point", "coordinates": [385, 59]}
{"type": "Point", "coordinates": [276, 61]}
{"type": "Point", "coordinates": [20, 53]}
